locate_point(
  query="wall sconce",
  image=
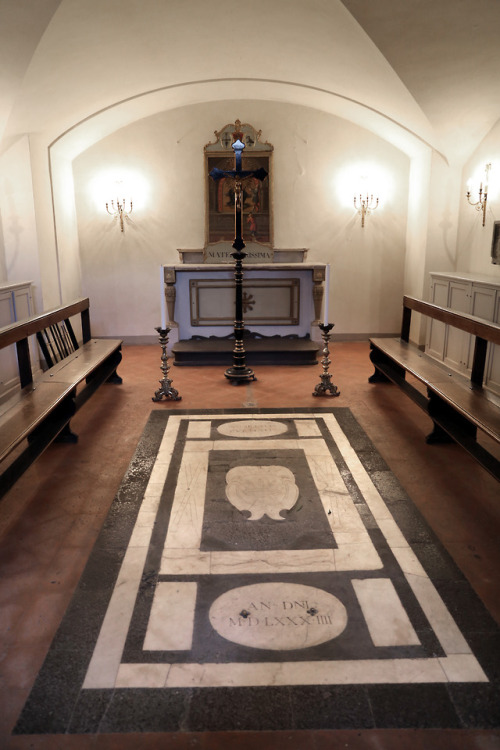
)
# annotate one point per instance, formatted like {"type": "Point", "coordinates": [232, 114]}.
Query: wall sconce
{"type": "Point", "coordinates": [366, 206]}
{"type": "Point", "coordinates": [119, 210]}
{"type": "Point", "coordinates": [480, 205]}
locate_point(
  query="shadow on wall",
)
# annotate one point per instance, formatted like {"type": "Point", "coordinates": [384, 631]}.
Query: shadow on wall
{"type": "Point", "coordinates": [10, 235]}
{"type": "Point", "coordinates": [3, 264]}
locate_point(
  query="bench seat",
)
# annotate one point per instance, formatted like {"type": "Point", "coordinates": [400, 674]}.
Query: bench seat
{"type": "Point", "coordinates": [80, 364]}
{"type": "Point", "coordinates": [95, 362]}
{"type": "Point", "coordinates": [475, 404]}
{"type": "Point", "coordinates": [41, 410]}
{"type": "Point", "coordinates": [31, 407]}
{"type": "Point", "coordinates": [459, 406]}
{"type": "Point", "coordinates": [25, 411]}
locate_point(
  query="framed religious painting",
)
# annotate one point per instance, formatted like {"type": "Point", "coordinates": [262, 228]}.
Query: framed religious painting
{"type": "Point", "coordinates": [257, 220]}
{"type": "Point", "coordinates": [495, 243]}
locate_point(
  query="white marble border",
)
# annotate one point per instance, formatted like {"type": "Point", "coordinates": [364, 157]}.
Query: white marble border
{"type": "Point", "coordinates": [106, 671]}
{"type": "Point", "coordinates": [463, 668]}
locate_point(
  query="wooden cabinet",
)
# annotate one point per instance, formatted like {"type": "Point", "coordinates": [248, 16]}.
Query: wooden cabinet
{"type": "Point", "coordinates": [493, 360]}
{"type": "Point", "coordinates": [473, 294]}
{"type": "Point", "coordinates": [16, 303]}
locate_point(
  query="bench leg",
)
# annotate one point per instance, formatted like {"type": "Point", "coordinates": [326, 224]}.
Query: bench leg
{"type": "Point", "coordinates": [55, 425]}
{"type": "Point", "coordinates": [378, 377]}
{"type": "Point", "coordinates": [66, 436]}
{"type": "Point", "coordinates": [377, 357]}
{"type": "Point", "coordinates": [446, 414]}
{"type": "Point", "coordinates": [115, 379]}
{"type": "Point", "coordinates": [438, 436]}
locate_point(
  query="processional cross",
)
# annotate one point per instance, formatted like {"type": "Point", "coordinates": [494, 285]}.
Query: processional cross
{"type": "Point", "coordinates": [239, 372]}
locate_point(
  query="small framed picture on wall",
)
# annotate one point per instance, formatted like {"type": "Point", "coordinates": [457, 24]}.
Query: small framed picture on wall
{"type": "Point", "coordinates": [495, 244]}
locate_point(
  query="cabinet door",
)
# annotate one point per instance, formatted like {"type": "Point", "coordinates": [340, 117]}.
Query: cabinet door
{"type": "Point", "coordinates": [6, 309]}
{"type": "Point", "coordinates": [457, 342]}
{"type": "Point", "coordinates": [8, 356]}
{"type": "Point", "coordinates": [15, 304]}
{"type": "Point", "coordinates": [23, 304]}
{"type": "Point", "coordinates": [436, 330]}
{"type": "Point", "coordinates": [492, 374]}
{"type": "Point", "coordinates": [482, 305]}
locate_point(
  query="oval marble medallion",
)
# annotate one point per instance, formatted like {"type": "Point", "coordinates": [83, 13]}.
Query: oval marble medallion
{"type": "Point", "coordinates": [252, 428]}
{"type": "Point", "coordinates": [278, 616]}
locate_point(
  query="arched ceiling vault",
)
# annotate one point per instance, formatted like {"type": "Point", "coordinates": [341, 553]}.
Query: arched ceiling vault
{"type": "Point", "coordinates": [421, 72]}
{"type": "Point", "coordinates": [447, 54]}
{"type": "Point", "coordinates": [82, 135]}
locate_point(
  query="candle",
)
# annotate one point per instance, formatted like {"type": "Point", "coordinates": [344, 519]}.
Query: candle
{"type": "Point", "coordinates": [162, 300]}
{"type": "Point", "coordinates": [326, 295]}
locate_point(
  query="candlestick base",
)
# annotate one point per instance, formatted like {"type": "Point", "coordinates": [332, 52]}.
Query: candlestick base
{"type": "Point", "coordinates": [326, 387]}
{"type": "Point", "coordinates": [237, 375]}
{"type": "Point", "coordinates": [165, 391]}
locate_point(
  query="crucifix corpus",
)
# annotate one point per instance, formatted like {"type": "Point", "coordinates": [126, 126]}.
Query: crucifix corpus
{"type": "Point", "coordinates": [239, 372]}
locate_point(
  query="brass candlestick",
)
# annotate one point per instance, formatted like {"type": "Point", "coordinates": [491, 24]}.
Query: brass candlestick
{"type": "Point", "coordinates": [165, 390]}
{"type": "Point", "coordinates": [326, 387]}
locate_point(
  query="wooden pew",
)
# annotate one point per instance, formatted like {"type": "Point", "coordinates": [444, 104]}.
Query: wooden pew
{"type": "Point", "coordinates": [458, 405]}
{"type": "Point", "coordinates": [41, 410]}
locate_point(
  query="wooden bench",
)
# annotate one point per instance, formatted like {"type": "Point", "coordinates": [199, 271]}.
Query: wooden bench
{"type": "Point", "coordinates": [459, 406]}
{"type": "Point", "coordinates": [41, 410]}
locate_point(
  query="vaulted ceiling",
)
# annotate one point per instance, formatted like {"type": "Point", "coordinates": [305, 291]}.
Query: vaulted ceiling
{"type": "Point", "coordinates": [447, 53]}
{"type": "Point", "coordinates": [431, 66]}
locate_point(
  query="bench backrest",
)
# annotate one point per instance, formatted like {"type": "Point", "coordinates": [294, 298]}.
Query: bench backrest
{"type": "Point", "coordinates": [465, 322]}
{"type": "Point", "coordinates": [57, 341]}
{"type": "Point", "coordinates": [483, 330]}
{"type": "Point", "coordinates": [59, 318]}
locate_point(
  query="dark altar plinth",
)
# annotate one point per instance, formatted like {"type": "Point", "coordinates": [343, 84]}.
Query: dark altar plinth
{"type": "Point", "coordinates": [260, 350]}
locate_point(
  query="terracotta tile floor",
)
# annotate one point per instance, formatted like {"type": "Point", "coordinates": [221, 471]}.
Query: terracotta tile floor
{"type": "Point", "coordinates": [50, 520]}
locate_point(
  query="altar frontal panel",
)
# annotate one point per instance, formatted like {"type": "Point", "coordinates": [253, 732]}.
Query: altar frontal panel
{"type": "Point", "coordinates": [268, 302]}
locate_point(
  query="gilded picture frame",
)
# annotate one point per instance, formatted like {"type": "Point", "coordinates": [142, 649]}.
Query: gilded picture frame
{"type": "Point", "coordinates": [257, 224]}
{"type": "Point", "coordinates": [495, 244]}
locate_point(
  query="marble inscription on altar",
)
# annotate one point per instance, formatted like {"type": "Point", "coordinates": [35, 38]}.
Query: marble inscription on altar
{"type": "Point", "coordinates": [278, 616]}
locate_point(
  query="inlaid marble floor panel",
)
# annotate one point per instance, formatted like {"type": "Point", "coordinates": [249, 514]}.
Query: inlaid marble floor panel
{"type": "Point", "coordinates": [257, 563]}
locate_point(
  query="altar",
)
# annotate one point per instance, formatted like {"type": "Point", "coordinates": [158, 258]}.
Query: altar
{"type": "Point", "coordinates": [282, 305]}
{"type": "Point", "coordinates": [279, 302]}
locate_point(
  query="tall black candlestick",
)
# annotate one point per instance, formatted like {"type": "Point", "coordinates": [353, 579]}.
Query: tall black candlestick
{"type": "Point", "coordinates": [239, 372]}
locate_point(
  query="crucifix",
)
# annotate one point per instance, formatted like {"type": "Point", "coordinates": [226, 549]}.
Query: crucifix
{"type": "Point", "coordinates": [239, 372]}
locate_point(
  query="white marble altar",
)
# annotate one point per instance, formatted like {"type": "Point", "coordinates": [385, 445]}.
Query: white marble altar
{"type": "Point", "coordinates": [279, 298]}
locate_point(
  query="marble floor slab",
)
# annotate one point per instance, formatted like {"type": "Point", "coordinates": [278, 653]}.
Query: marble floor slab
{"type": "Point", "coordinates": [260, 556]}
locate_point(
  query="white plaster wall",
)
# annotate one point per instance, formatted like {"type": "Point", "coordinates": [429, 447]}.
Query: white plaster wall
{"type": "Point", "coordinates": [418, 219]}
{"type": "Point", "coordinates": [18, 235]}
{"type": "Point", "coordinates": [120, 272]}
{"type": "Point", "coordinates": [433, 213]}
{"type": "Point", "coordinates": [50, 269]}
{"type": "Point", "coordinates": [443, 199]}
{"type": "Point", "coordinates": [474, 240]}
{"type": "Point", "coordinates": [66, 231]}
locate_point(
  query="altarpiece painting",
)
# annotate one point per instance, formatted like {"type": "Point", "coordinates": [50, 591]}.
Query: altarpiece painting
{"type": "Point", "coordinates": [257, 205]}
